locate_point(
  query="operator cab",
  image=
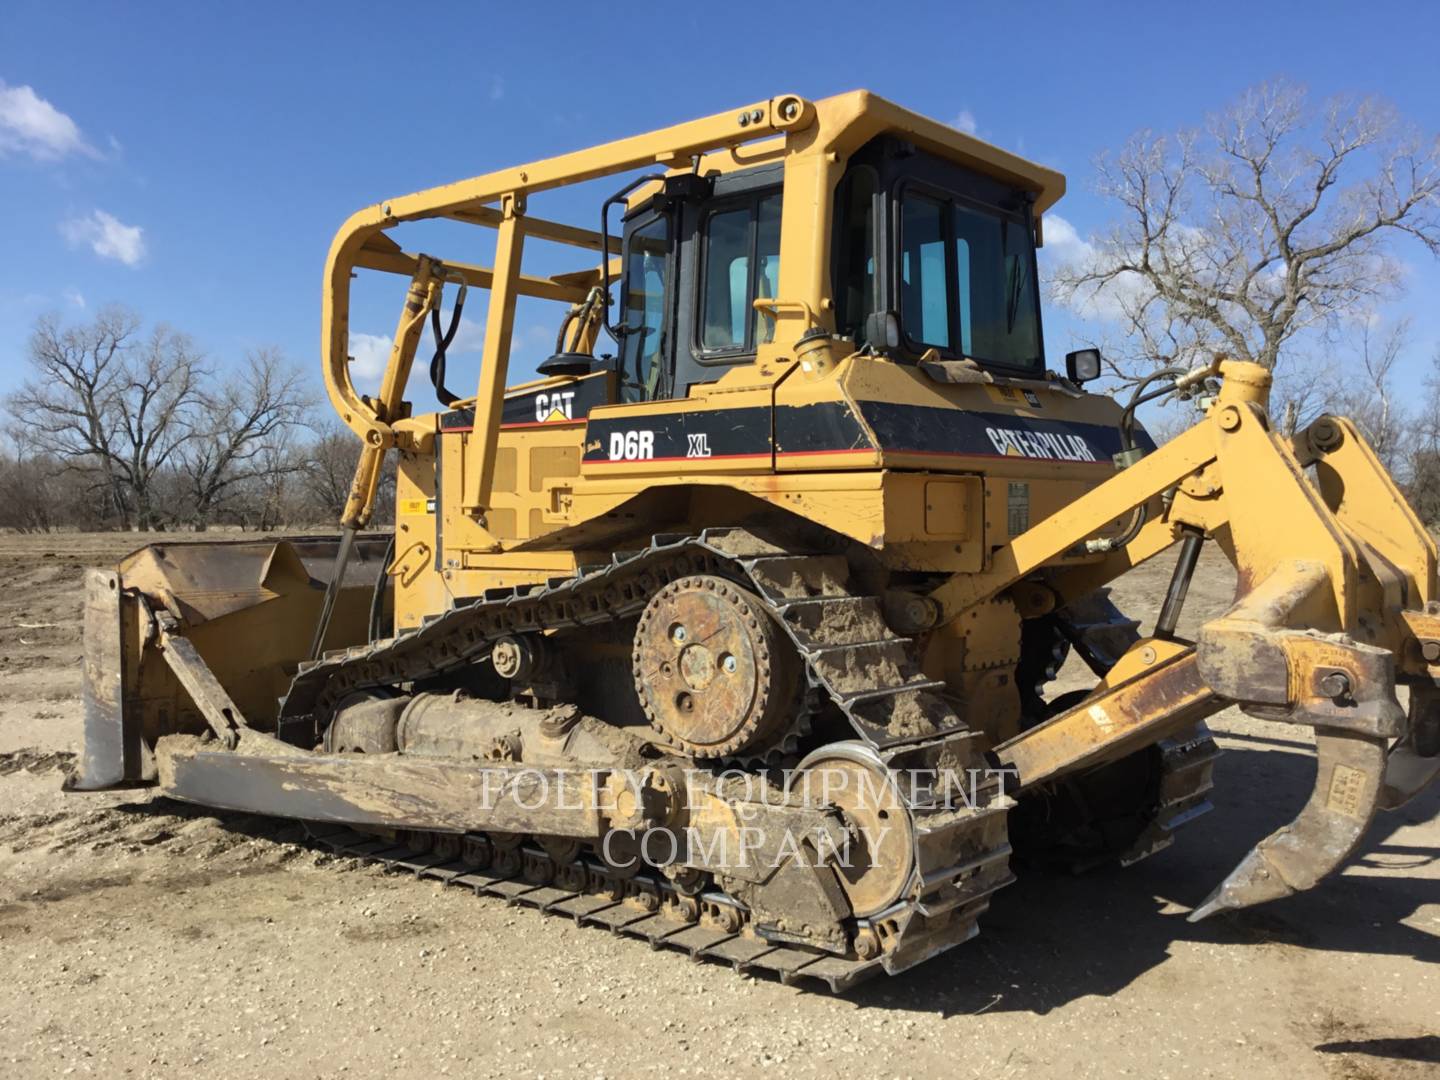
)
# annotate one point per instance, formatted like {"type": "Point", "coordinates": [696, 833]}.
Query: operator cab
{"type": "Point", "coordinates": [955, 276]}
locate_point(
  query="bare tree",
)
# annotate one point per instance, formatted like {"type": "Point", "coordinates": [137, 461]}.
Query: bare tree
{"type": "Point", "coordinates": [1303, 391]}
{"type": "Point", "coordinates": [1368, 394]}
{"type": "Point", "coordinates": [242, 433]}
{"type": "Point", "coordinates": [329, 468]}
{"type": "Point", "coordinates": [276, 497]}
{"type": "Point", "coordinates": [29, 499]}
{"type": "Point", "coordinates": [106, 402]}
{"type": "Point", "coordinates": [156, 415]}
{"type": "Point", "coordinates": [1273, 219]}
{"type": "Point", "coordinates": [1422, 479]}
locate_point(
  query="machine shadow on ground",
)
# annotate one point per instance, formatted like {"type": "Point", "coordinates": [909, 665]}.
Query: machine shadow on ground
{"type": "Point", "coordinates": [1028, 956]}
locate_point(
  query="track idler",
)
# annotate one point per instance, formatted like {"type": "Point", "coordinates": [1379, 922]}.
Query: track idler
{"type": "Point", "coordinates": [1345, 691]}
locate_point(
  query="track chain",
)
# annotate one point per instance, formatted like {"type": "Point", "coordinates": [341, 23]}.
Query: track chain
{"type": "Point", "coordinates": [706, 925]}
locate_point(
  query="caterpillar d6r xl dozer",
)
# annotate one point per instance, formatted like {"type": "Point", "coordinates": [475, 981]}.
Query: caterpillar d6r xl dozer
{"type": "Point", "coordinates": [738, 640]}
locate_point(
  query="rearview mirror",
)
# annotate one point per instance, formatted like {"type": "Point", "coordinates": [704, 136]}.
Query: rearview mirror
{"type": "Point", "coordinates": [1083, 365]}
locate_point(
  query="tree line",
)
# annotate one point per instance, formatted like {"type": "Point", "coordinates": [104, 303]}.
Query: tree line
{"type": "Point", "coordinates": [120, 428]}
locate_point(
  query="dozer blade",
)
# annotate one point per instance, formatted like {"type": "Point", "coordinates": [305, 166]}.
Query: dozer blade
{"type": "Point", "coordinates": [237, 614]}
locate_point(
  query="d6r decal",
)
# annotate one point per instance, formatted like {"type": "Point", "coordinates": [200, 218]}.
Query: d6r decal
{"type": "Point", "coordinates": [632, 445]}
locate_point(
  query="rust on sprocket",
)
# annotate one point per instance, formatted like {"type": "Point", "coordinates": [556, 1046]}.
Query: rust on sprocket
{"type": "Point", "coordinates": [713, 672]}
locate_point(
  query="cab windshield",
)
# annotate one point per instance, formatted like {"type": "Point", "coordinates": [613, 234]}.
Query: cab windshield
{"type": "Point", "coordinates": [967, 282]}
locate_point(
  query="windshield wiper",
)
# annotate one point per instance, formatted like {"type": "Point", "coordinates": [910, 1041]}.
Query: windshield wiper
{"type": "Point", "coordinates": [1015, 280]}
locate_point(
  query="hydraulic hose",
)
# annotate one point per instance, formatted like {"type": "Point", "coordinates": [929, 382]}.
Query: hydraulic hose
{"type": "Point", "coordinates": [569, 318]}
{"type": "Point", "coordinates": [583, 319]}
{"type": "Point", "coordinates": [1127, 443]}
{"type": "Point", "coordinates": [442, 343]}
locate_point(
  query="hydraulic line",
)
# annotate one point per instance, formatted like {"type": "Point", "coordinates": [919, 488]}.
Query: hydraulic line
{"type": "Point", "coordinates": [337, 576]}
{"type": "Point", "coordinates": [1127, 444]}
{"type": "Point", "coordinates": [442, 343]}
{"type": "Point", "coordinates": [377, 597]}
{"type": "Point", "coordinates": [587, 309]}
{"type": "Point", "coordinates": [570, 317]}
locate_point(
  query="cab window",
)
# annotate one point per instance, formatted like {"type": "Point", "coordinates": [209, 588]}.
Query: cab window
{"type": "Point", "coordinates": [924, 291]}
{"type": "Point", "coordinates": [647, 250]}
{"type": "Point", "coordinates": [996, 289]}
{"type": "Point", "coordinates": [967, 282]}
{"type": "Point", "coordinates": [741, 263]}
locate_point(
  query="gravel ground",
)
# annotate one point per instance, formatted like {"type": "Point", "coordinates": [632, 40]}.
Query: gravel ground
{"type": "Point", "coordinates": [140, 938]}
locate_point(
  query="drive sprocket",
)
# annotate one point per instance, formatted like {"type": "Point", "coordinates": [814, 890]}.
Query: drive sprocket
{"type": "Point", "coordinates": [713, 672]}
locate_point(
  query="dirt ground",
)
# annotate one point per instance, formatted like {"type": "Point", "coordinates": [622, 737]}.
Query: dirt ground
{"type": "Point", "coordinates": [142, 938]}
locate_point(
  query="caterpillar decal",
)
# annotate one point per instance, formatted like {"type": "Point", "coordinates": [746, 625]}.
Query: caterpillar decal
{"type": "Point", "coordinates": [1040, 444]}
{"type": "Point", "coordinates": [567, 403]}
{"type": "Point", "coordinates": [918, 429]}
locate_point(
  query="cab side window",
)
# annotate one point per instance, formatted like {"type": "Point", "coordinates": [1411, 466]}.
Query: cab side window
{"type": "Point", "coordinates": [741, 264]}
{"type": "Point", "coordinates": [642, 356]}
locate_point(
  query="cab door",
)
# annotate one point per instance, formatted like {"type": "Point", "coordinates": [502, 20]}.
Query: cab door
{"type": "Point", "coordinates": [647, 299]}
{"type": "Point", "coordinates": [695, 260]}
{"type": "Point", "coordinates": [729, 254]}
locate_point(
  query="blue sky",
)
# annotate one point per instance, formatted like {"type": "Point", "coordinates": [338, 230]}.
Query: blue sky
{"type": "Point", "coordinates": [196, 159]}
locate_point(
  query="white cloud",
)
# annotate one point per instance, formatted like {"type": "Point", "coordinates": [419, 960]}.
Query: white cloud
{"type": "Point", "coordinates": [965, 122]}
{"type": "Point", "coordinates": [107, 236]}
{"type": "Point", "coordinates": [369, 353]}
{"type": "Point", "coordinates": [1064, 246]}
{"type": "Point", "coordinates": [31, 125]}
{"type": "Point", "coordinates": [75, 298]}
{"type": "Point", "coordinates": [1121, 294]}
{"type": "Point", "coordinates": [470, 338]}
{"type": "Point", "coordinates": [1062, 239]}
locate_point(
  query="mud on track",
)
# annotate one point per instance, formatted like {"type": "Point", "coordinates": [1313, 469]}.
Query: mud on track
{"type": "Point", "coordinates": [142, 937]}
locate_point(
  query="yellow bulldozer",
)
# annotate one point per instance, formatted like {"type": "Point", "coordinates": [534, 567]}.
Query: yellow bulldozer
{"type": "Point", "coordinates": [737, 635]}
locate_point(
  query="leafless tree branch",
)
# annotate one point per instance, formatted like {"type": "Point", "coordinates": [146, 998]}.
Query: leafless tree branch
{"type": "Point", "coordinates": [1272, 219]}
